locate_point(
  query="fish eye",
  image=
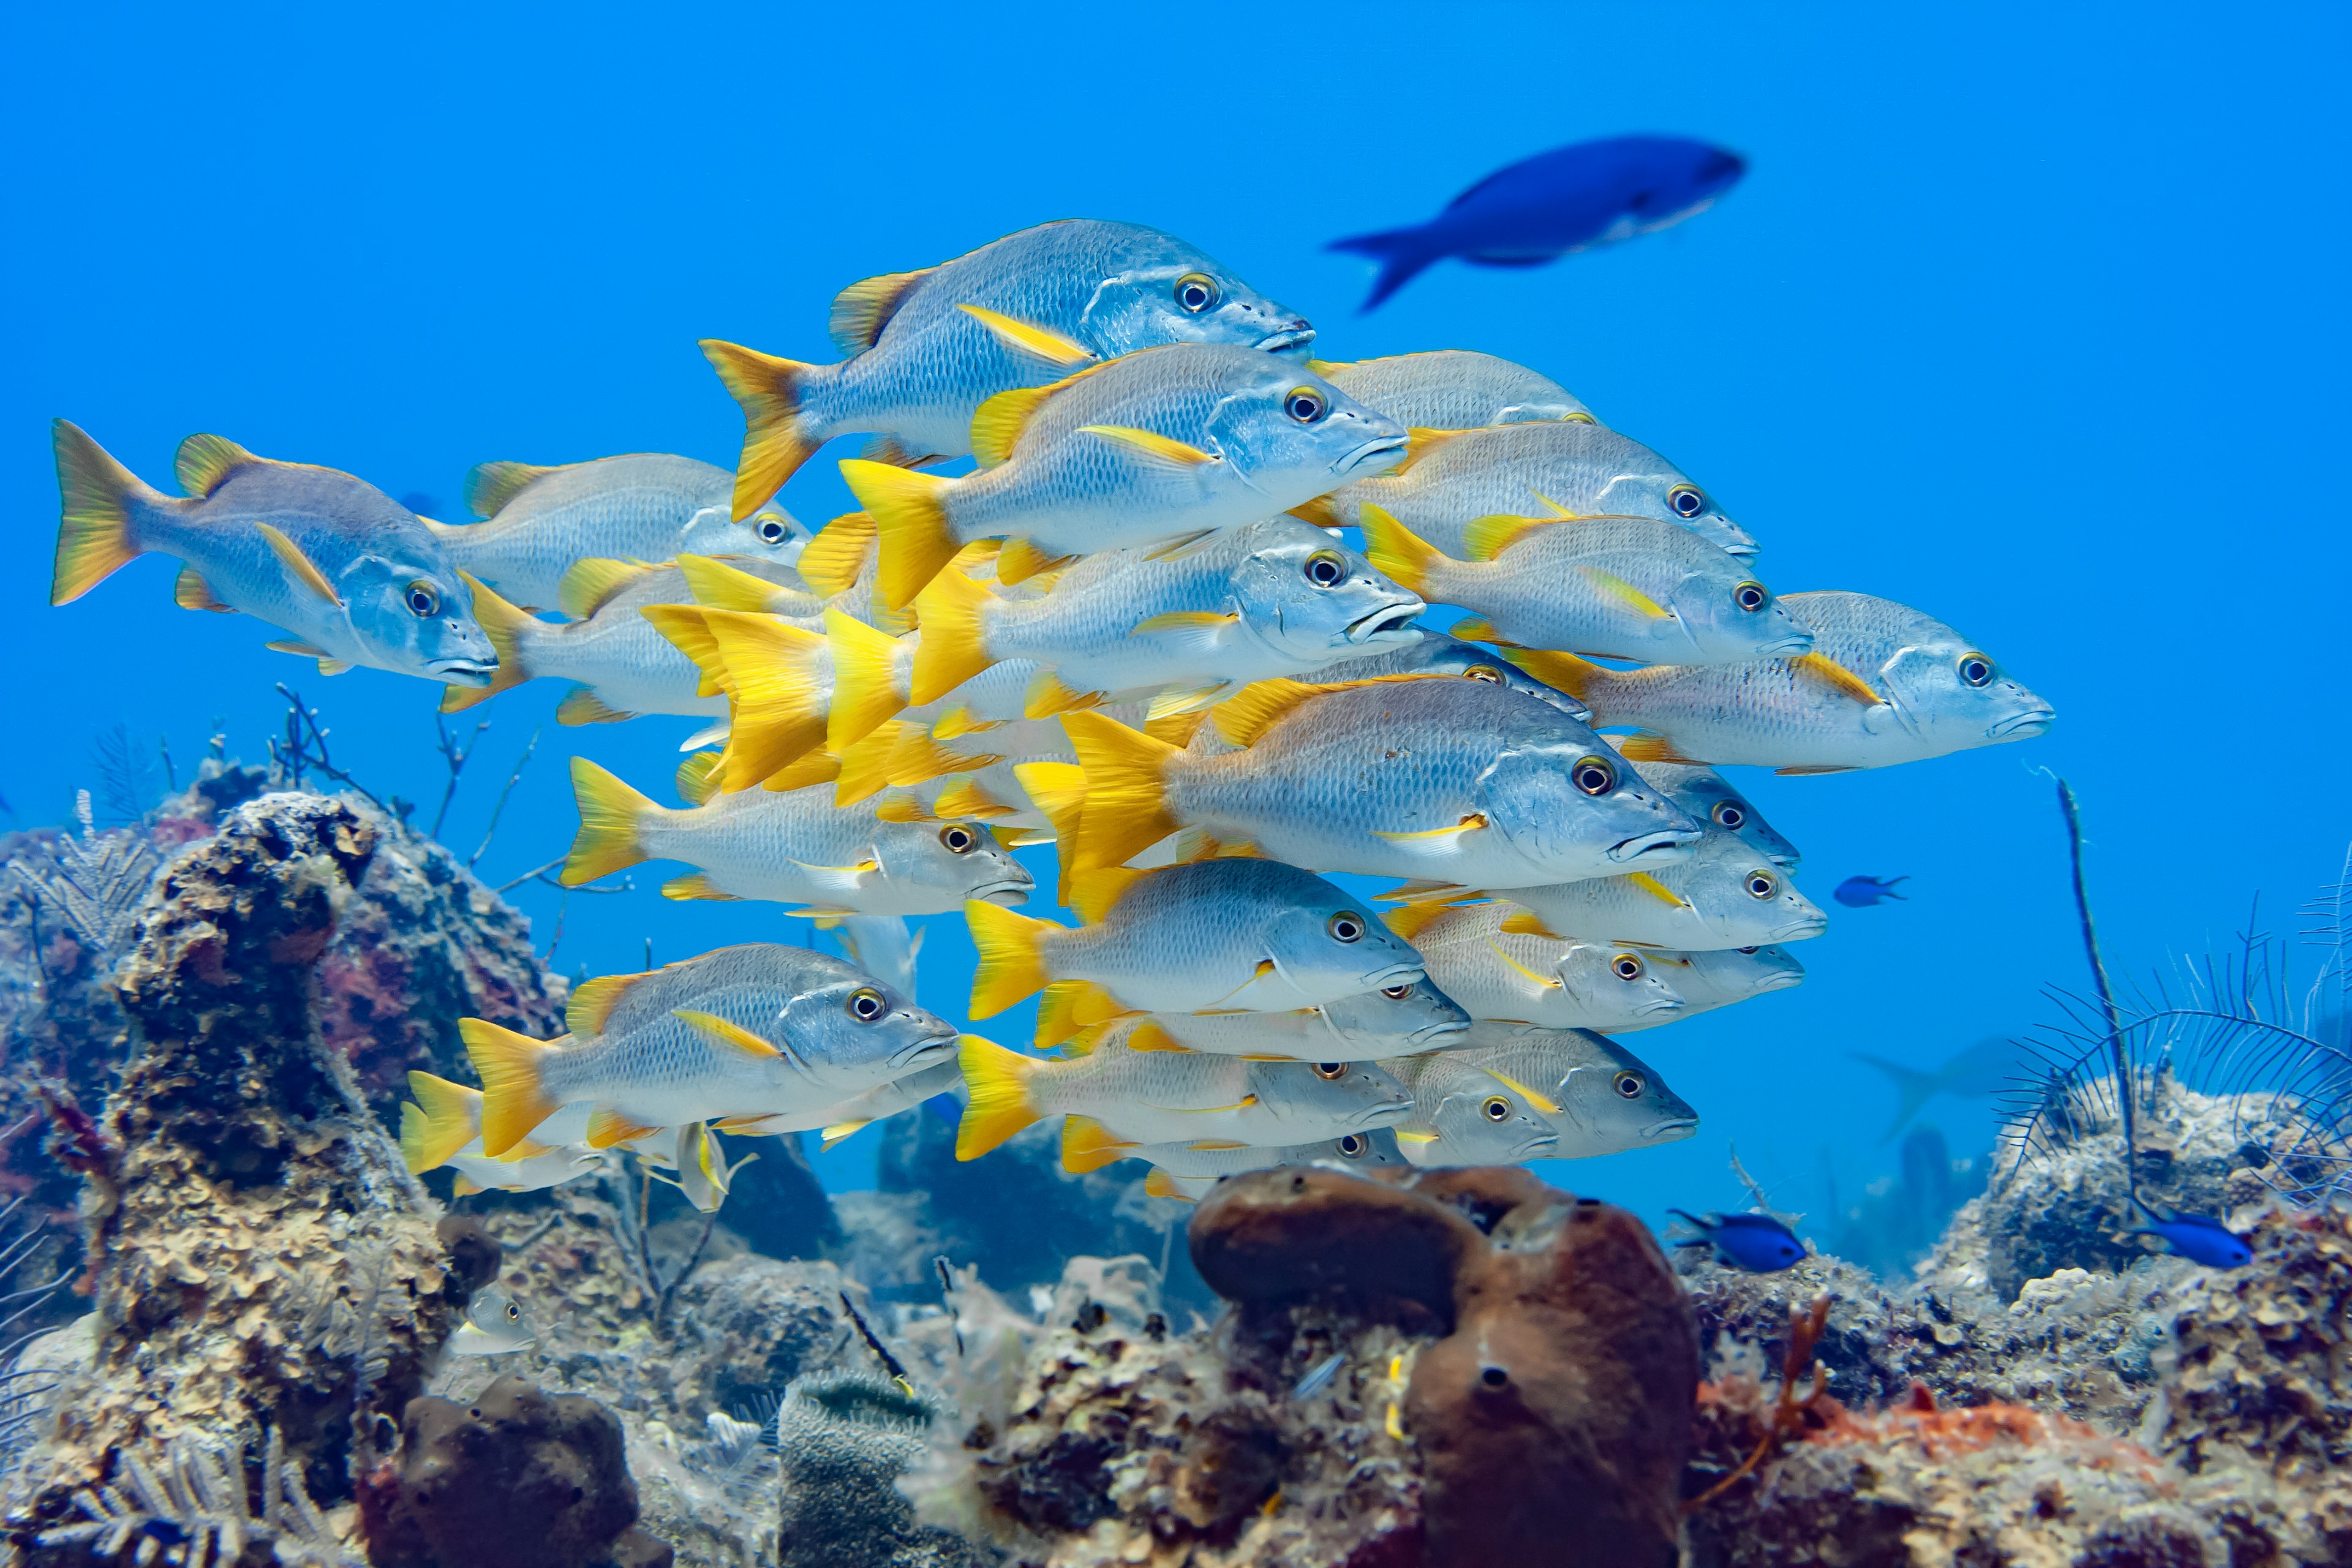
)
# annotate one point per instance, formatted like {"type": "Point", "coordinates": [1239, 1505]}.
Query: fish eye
{"type": "Point", "coordinates": [1625, 966]}
{"type": "Point", "coordinates": [1352, 1146]}
{"type": "Point", "coordinates": [1750, 596]}
{"type": "Point", "coordinates": [1760, 885]}
{"type": "Point", "coordinates": [1630, 1085]}
{"type": "Point", "coordinates": [424, 600]}
{"type": "Point", "coordinates": [1330, 1072]}
{"type": "Point", "coordinates": [1396, 992]}
{"type": "Point", "coordinates": [514, 1313]}
{"type": "Point", "coordinates": [1686, 500]}
{"type": "Point", "coordinates": [1304, 404]}
{"type": "Point", "coordinates": [865, 1005]}
{"type": "Point", "coordinates": [1730, 813]}
{"type": "Point", "coordinates": [1496, 1108]}
{"type": "Point", "coordinates": [1750, 950]}
{"type": "Point", "coordinates": [1486, 672]}
{"type": "Point", "coordinates": [958, 838]}
{"type": "Point", "coordinates": [1345, 926]}
{"type": "Point", "coordinates": [1976, 670]}
{"type": "Point", "coordinates": [772, 530]}
{"type": "Point", "coordinates": [1196, 291]}
{"type": "Point", "coordinates": [1325, 569]}
{"type": "Point", "coordinates": [1593, 775]}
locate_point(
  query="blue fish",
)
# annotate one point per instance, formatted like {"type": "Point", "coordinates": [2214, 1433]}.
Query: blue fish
{"type": "Point", "coordinates": [1755, 1242]}
{"type": "Point", "coordinates": [2196, 1236]}
{"type": "Point", "coordinates": [1568, 199]}
{"type": "Point", "coordinates": [1861, 892]}
{"type": "Point", "coordinates": [1320, 1377]}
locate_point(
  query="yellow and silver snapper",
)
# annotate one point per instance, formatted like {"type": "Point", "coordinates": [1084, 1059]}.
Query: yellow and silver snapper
{"type": "Point", "coordinates": [1611, 587]}
{"type": "Point", "coordinates": [352, 577]}
{"type": "Point", "coordinates": [1708, 979]}
{"type": "Point", "coordinates": [1599, 1097]}
{"type": "Point", "coordinates": [928, 348]}
{"type": "Point", "coordinates": [1397, 1020]}
{"type": "Point", "coordinates": [1157, 448]}
{"type": "Point", "coordinates": [1452, 389]}
{"type": "Point", "coordinates": [648, 507]}
{"type": "Point", "coordinates": [1707, 795]}
{"type": "Point", "coordinates": [443, 1126]}
{"type": "Point", "coordinates": [794, 846]}
{"type": "Point", "coordinates": [1187, 1170]}
{"type": "Point", "coordinates": [1883, 684]}
{"type": "Point", "coordinates": [1494, 960]}
{"type": "Point", "coordinates": [1463, 1116]}
{"type": "Point", "coordinates": [1552, 468]}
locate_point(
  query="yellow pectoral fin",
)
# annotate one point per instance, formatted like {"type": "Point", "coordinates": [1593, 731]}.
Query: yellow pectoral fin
{"type": "Point", "coordinates": [1470, 824]}
{"type": "Point", "coordinates": [1182, 620]}
{"type": "Point", "coordinates": [296, 647]}
{"type": "Point", "coordinates": [1242, 1104]}
{"type": "Point", "coordinates": [1151, 444]}
{"type": "Point", "coordinates": [1216, 1146]}
{"type": "Point", "coordinates": [1556, 510]}
{"type": "Point", "coordinates": [1652, 887]}
{"type": "Point", "coordinates": [289, 555]}
{"type": "Point", "coordinates": [607, 1126]}
{"type": "Point", "coordinates": [1613, 586]}
{"type": "Point", "coordinates": [1030, 339]}
{"type": "Point", "coordinates": [1835, 676]}
{"type": "Point", "coordinates": [526, 1150]}
{"type": "Point", "coordinates": [1416, 1137]}
{"type": "Point", "coordinates": [1548, 981]}
{"type": "Point", "coordinates": [834, 1135]}
{"type": "Point", "coordinates": [713, 1026]}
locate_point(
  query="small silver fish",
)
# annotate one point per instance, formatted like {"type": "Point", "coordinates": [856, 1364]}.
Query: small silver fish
{"type": "Point", "coordinates": [494, 1325]}
{"type": "Point", "coordinates": [1709, 980]}
{"type": "Point", "coordinates": [1319, 1376]}
{"type": "Point", "coordinates": [1452, 389]}
{"type": "Point", "coordinates": [1498, 962]}
{"type": "Point", "coordinates": [1726, 895]}
{"type": "Point", "coordinates": [1709, 797]}
{"type": "Point", "coordinates": [1599, 1097]}
{"type": "Point", "coordinates": [1393, 1021]}
{"type": "Point", "coordinates": [1463, 1116]}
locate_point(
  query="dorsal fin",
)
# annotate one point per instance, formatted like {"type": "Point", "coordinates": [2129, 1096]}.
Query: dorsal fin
{"type": "Point", "coordinates": [861, 310]}
{"type": "Point", "coordinates": [698, 777]}
{"type": "Point", "coordinates": [838, 553]}
{"type": "Point", "coordinates": [1647, 748]}
{"type": "Point", "coordinates": [1149, 1035]}
{"type": "Point", "coordinates": [1000, 421]}
{"type": "Point", "coordinates": [1323, 367]}
{"type": "Point", "coordinates": [588, 585]}
{"type": "Point", "coordinates": [490, 486]}
{"type": "Point", "coordinates": [593, 1002]}
{"type": "Point", "coordinates": [1487, 537]}
{"type": "Point", "coordinates": [1527, 923]}
{"type": "Point", "coordinates": [1419, 443]}
{"type": "Point", "coordinates": [1835, 676]}
{"type": "Point", "coordinates": [1243, 718]}
{"type": "Point", "coordinates": [1093, 892]}
{"type": "Point", "coordinates": [1409, 921]}
{"type": "Point", "coordinates": [203, 461]}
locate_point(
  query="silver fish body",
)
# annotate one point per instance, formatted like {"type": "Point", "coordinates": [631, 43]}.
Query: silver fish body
{"type": "Point", "coordinates": [1557, 467]}
{"type": "Point", "coordinates": [1190, 1171]}
{"type": "Point", "coordinates": [1441, 653]}
{"type": "Point", "coordinates": [1462, 1116]}
{"type": "Point", "coordinates": [495, 1325]}
{"type": "Point", "coordinates": [1706, 794]}
{"type": "Point", "coordinates": [1726, 895]}
{"type": "Point", "coordinates": [1454, 389]}
{"type": "Point", "coordinates": [1710, 979]}
{"type": "Point", "coordinates": [1599, 1097]}
{"type": "Point", "coordinates": [1494, 971]}
{"type": "Point", "coordinates": [646, 506]}
{"type": "Point", "coordinates": [1395, 1020]}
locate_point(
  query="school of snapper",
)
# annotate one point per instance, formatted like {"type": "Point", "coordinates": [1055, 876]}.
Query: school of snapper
{"type": "Point", "coordinates": [1136, 631]}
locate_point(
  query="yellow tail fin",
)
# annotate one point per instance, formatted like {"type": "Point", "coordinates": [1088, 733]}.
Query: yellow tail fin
{"type": "Point", "coordinates": [866, 687]}
{"type": "Point", "coordinates": [687, 628]}
{"type": "Point", "coordinates": [1396, 551]}
{"type": "Point", "coordinates": [1160, 1184]}
{"type": "Point", "coordinates": [774, 446]}
{"type": "Point", "coordinates": [610, 812]}
{"type": "Point", "coordinates": [97, 537]}
{"type": "Point", "coordinates": [1088, 1145]}
{"type": "Point", "coordinates": [514, 1091]}
{"type": "Point", "coordinates": [1001, 1103]}
{"type": "Point", "coordinates": [838, 554]}
{"type": "Point", "coordinates": [504, 624]}
{"type": "Point", "coordinates": [1011, 962]}
{"type": "Point", "coordinates": [864, 771]}
{"type": "Point", "coordinates": [910, 517]}
{"type": "Point", "coordinates": [1059, 790]}
{"type": "Point", "coordinates": [443, 1120]}
{"type": "Point", "coordinates": [720, 586]}
{"type": "Point", "coordinates": [588, 585]}
{"type": "Point", "coordinates": [1126, 795]}
{"type": "Point", "coordinates": [777, 691]}
{"type": "Point", "coordinates": [952, 611]}
{"type": "Point", "coordinates": [1068, 1008]}
{"type": "Point", "coordinates": [1575, 676]}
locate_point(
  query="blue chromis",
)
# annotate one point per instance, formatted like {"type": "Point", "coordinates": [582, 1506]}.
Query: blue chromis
{"type": "Point", "coordinates": [1862, 892]}
{"type": "Point", "coordinates": [927, 348]}
{"type": "Point", "coordinates": [351, 575]}
{"type": "Point", "coordinates": [2198, 1238]}
{"type": "Point", "coordinates": [1571, 198]}
{"type": "Point", "coordinates": [1754, 1242]}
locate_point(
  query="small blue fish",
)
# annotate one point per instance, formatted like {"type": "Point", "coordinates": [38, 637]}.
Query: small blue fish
{"type": "Point", "coordinates": [2196, 1236]}
{"type": "Point", "coordinates": [1318, 1377]}
{"type": "Point", "coordinates": [1755, 1242]}
{"type": "Point", "coordinates": [1862, 892]}
{"type": "Point", "coordinates": [1568, 199]}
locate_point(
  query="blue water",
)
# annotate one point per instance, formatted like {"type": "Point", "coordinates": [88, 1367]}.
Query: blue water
{"type": "Point", "coordinates": [2030, 317]}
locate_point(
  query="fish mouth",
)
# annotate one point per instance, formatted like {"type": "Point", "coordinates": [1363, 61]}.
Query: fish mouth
{"type": "Point", "coordinates": [463, 672]}
{"type": "Point", "coordinates": [1295, 337]}
{"type": "Point", "coordinates": [924, 1052]}
{"type": "Point", "coordinates": [1006, 892]}
{"type": "Point", "coordinates": [1798, 931]}
{"type": "Point", "coordinates": [1532, 1147]}
{"type": "Point", "coordinates": [1444, 1030]}
{"type": "Point", "coordinates": [1385, 624]}
{"type": "Point", "coordinates": [1369, 451]}
{"type": "Point", "coordinates": [1781, 980]}
{"type": "Point", "coordinates": [1380, 1114]}
{"type": "Point", "coordinates": [1666, 843]}
{"type": "Point", "coordinates": [1658, 1004]}
{"type": "Point", "coordinates": [1798, 642]}
{"type": "Point", "coordinates": [2023, 726]}
{"type": "Point", "coordinates": [1669, 1130]}
{"type": "Point", "coordinates": [1394, 974]}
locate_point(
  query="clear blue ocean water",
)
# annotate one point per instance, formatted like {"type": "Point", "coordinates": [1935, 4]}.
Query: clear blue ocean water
{"type": "Point", "coordinates": [2030, 317]}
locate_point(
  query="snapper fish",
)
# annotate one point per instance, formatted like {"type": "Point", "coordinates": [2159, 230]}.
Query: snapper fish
{"type": "Point", "coordinates": [348, 574]}
{"type": "Point", "coordinates": [1711, 978]}
{"type": "Point", "coordinates": [1464, 1116]}
{"type": "Point", "coordinates": [1125, 1096]}
{"type": "Point", "coordinates": [1724, 895]}
{"type": "Point", "coordinates": [1883, 684]}
{"type": "Point", "coordinates": [1456, 781]}
{"type": "Point", "coordinates": [1187, 1170]}
{"type": "Point", "coordinates": [748, 1031]}
{"type": "Point", "coordinates": [795, 846]}
{"type": "Point", "coordinates": [1245, 605]}
{"type": "Point", "coordinates": [1614, 587]}
{"type": "Point", "coordinates": [1599, 1097]}
{"type": "Point", "coordinates": [1557, 468]}
{"type": "Point", "coordinates": [443, 1126]}
{"type": "Point", "coordinates": [928, 348]}
{"type": "Point", "coordinates": [1707, 795]}
{"type": "Point", "coordinates": [648, 507]}
{"type": "Point", "coordinates": [1497, 964]}
{"type": "Point", "coordinates": [1397, 1020]}
{"type": "Point", "coordinates": [1245, 934]}
{"type": "Point", "coordinates": [495, 1325]}
{"type": "Point", "coordinates": [619, 661]}
{"type": "Point", "coordinates": [836, 1122]}
{"type": "Point", "coordinates": [1452, 389]}
{"type": "Point", "coordinates": [1150, 450]}
{"type": "Point", "coordinates": [1441, 653]}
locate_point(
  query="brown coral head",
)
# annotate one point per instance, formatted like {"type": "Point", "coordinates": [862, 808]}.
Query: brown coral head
{"type": "Point", "coordinates": [1303, 1233]}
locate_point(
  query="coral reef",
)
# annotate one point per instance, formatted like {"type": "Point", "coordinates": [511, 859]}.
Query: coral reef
{"type": "Point", "coordinates": [519, 1478]}
{"type": "Point", "coordinates": [844, 1439]}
